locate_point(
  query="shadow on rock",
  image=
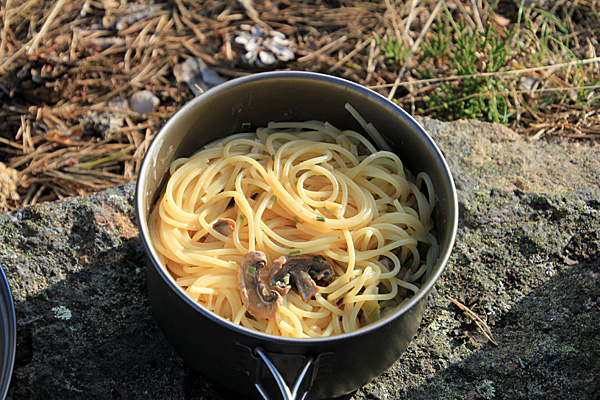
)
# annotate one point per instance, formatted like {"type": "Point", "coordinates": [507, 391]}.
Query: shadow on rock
{"type": "Point", "coordinates": [547, 347]}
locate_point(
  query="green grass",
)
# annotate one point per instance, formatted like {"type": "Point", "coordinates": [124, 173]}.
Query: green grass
{"type": "Point", "coordinates": [466, 55]}
{"type": "Point", "coordinates": [499, 70]}
{"type": "Point", "coordinates": [394, 51]}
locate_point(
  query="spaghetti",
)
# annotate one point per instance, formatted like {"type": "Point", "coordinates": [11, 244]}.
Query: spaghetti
{"type": "Point", "coordinates": [297, 188]}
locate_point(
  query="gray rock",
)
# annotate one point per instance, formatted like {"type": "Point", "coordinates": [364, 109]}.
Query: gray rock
{"type": "Point", "coordinates": [527, 262]}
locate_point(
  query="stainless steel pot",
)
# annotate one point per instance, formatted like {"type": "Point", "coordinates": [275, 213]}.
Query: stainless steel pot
{"type": "Point", "coordinates": [259, 364]}
{"type": "Point", "coordinates": [8, 334]}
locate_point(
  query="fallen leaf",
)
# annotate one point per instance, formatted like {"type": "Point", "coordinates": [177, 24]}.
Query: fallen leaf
{"type": "Point", "coordinates": [143, 102]}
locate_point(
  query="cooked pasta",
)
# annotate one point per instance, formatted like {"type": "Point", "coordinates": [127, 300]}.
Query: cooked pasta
{"type": "Point", "coordinates": [296, 190]}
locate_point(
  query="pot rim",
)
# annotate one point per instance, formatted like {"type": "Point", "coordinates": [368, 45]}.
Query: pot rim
{"type": "Point", "coordinates": [443, 257]}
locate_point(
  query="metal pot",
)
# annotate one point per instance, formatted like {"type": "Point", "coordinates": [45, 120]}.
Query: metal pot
{"type": "Point", "coordinates": [8, 334]}
{"type": "Point", "coordinates": [254, 363]}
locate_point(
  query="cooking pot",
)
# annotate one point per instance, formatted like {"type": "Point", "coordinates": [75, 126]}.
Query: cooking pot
{"type": "Point", "coordinates": [8, 334]}
{"type": "Point", "coordinates": [254, 363]}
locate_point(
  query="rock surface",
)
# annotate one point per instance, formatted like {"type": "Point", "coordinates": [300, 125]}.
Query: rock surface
{"type": "Point", "coordinates": [526, 261]}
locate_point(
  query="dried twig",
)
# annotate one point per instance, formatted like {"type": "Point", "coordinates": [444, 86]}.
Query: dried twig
{"type": "Point", "coordinates": [328, 47]}
{"type": "Point", "coordinates": [483, 327]}
{"type": "Point", "coordinates": [253, 14]}
{"type": "Point", "coordinates": [522, 71]}
{"type": "Point", "coordinates": [414, 48]}
{"type": "Point", "coordinates": [36, 40]}
{"type": "Point", "coordinates": [3, 33]}
{"type": "Point", "coordinates": [348, 56]}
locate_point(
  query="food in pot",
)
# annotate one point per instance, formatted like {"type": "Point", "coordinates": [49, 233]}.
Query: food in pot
{"type": "Point", "coordinates": [260, 300]}
{"type": "Point", "coordinates": [305, 271]}
{"type": "Point", "coordinates": [297, 229]}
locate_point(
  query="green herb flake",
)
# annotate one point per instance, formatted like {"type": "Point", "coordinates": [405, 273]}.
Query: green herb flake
{"type": "Point", "coordinates": [241, 217]}
{"type": "Point", "coordinates": [274, 199]}
{"type": "Point", "coordinates": [251, 271]}
{"type": "Point", "coordinates": [317, 259]}
{"type": "Point", "coordinates": [273, 157]}
{"type": "Point", "coordinates": [286, 279]}
{"type": "Point", "coordinates": [320, 219]}
{"type": "Point", "coordinates": [296, 218]}
{"type": "Point", "coordinates": [294, 252]}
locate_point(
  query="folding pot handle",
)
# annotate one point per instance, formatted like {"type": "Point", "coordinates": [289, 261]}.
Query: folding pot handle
{"type": "Point", "coordinates": [295, 393]}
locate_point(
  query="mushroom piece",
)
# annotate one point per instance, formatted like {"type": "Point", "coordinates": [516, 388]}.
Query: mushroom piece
{"type": "Point", "coordinates": [304, 271]}
{"type": "Point", "coordinates": [259, 301]}
{"type": "Point", "coordinates": [225, 226]}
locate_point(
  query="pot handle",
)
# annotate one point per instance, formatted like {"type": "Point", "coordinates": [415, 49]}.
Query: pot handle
{"type": "Point", "coordinates": [286, 393]}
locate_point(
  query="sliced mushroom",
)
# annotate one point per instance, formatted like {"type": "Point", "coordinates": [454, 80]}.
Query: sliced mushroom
{"type": "Point", "coordinates": [225, 226]}
{"type": "Point", "coordinates": [259, 301]}
{"type": "Point", "coordinates": [304, 271]}
{"type": "Point", "coordinates": [305, 286]}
